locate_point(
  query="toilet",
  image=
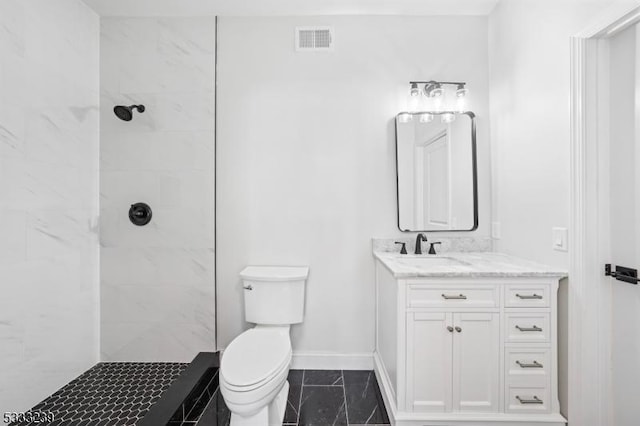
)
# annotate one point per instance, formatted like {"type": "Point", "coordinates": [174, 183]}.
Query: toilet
{"type": "Point", "coordinates": [255, 365]}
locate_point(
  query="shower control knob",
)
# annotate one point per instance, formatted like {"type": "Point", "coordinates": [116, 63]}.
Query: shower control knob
{"type": "Point", "coordinates": [140, 214]}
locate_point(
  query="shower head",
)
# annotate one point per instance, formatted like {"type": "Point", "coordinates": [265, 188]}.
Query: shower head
{"type": "Point", "coordinates": [126, 112]}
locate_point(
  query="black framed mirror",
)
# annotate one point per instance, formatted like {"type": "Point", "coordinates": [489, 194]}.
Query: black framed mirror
{"type": "Point", "coordinates": [436, 171]}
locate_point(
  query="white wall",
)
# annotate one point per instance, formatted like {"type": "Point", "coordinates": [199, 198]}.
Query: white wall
{"type": "Point", "coordinates": [48, 197]}
{"type": "Point", "coordinates": [529, 62]}
{"type": "Point", "coordinates": [306, 156]}
{"type": "Point", "coordinates": [529, 72]}
{"type": "Point", "coordinates": [157, 281]}
{"type": "Point", "coordinates": [625, 221]}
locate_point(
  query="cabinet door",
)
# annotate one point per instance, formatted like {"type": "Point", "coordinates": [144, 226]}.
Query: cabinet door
{"type": "Point", "coordinates": [476, 362]}
{"type": "Point", "coordinates": [429, 355]}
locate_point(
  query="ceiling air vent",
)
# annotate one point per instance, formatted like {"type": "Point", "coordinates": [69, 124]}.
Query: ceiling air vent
{"type": "Point", "coordinates": [314, 39]}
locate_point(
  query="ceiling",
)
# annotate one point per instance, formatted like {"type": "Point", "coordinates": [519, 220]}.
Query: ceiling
{"type": "Point", "coordinates": [289, 7]}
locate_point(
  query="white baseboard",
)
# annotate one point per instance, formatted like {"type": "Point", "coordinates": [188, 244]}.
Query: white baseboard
{"type": "Point", "coordinates": [331, 361]}
{"type": "Point", "coordinates": [386, 389]}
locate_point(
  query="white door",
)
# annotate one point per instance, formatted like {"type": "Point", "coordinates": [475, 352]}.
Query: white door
{"type": "Point", "coordinates": [622, 229]}
{"type": "Point", "coordinates": [476, 370]}
{"type": "Point", "coordinates": [437, 184]}
{"type": "Point", "coordinates": [433, 182]}
{"type": "Point", "coordinates": [429, 346]}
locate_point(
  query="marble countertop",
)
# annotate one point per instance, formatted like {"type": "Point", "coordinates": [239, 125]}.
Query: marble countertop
{"type": "Point", "coordinates": [464, 264]}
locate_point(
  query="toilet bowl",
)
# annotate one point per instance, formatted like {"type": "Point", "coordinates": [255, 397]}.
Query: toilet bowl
{"type": "Point", "coordinates": [254, 370]}
{"type": "Point", "coordinates": [255, 365]}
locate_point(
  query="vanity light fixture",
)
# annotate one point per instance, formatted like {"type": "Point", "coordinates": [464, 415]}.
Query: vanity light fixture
{"type": "Point", "coordinates": [448, 117]}
{"type": "Point", "coordinates": [405, 117]}
{"type": "Point", "coordinates": [461, 91]}
{"type": "Point", "coordinates": [415, 91]}
{"type": "Point", "coordinates": [432, 89]}
{"type": "Point", "coordinates": [437, 93]}
{"type": "Point", "coordinates": [426, 117]}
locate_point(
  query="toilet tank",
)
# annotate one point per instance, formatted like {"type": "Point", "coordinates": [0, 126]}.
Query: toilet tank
{"type": "Point", "coordinates": [274, 294]}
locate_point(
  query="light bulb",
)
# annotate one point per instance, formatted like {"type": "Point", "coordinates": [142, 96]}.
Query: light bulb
{"type": "Point", "coordinates": [433, 89]}
{"type": "Point", "coordinates": [437, 103]}
{"type": "Point", "coordinates": [438, 91]}
{"type": "Point", "coordinates": [414, 103]}
{"type": "Point", "coordinates": [462, 91]}
{"type": "Point", "coordinates": [461, 104]}
{"type": "Point", "coordinates": [425, 117]}
{"type": "Point", "coordinates": [448, 117]}
{"type": "Point", "coordinates": [404, 117]}
{"type": "Point", "coordinates": [414, 89]}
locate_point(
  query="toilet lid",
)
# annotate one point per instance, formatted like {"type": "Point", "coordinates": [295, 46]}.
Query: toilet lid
{"type": "Point", "coordinates": [255, 356]}
{"type": "Point", "coordinates": [275, 273]}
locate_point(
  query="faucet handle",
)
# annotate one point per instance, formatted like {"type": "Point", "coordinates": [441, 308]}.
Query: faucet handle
{"type": "Point", "coordinates": [432, 249]}
{"type": "Point", "coordinates": [403, 250]}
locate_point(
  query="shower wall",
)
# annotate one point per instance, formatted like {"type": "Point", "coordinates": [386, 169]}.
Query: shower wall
{"type": "Point", "coordinates": [48, 197]}
{"type": "Point", "coordinates": [157, 281]}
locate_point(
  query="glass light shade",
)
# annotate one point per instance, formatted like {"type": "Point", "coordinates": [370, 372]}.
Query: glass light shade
{"type": "Point", "coordinates": [436, 104]}
{"type": "Point", "coordinates": [425, 117]}
{"type": "Point", "coordinates": [448, 117]}
{"type": "Point", "coordinates": [437, 91]}
{"type": "Point", "coordinates": [405, 117]}
{"type": "Point", "coordinates": [414, 103]}
{"type": "Point", "coordinates": [415, 91]}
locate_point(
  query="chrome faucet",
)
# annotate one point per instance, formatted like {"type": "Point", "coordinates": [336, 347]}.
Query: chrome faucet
{"type": "Point", "coordinates": [419, 239]}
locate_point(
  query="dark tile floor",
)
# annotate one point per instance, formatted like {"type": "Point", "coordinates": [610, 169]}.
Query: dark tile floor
{"type": "Point", "coordinates": [319, 398]}
{"type": "Point", "coordinates": [334, 397]}
{"type": "Point", "coordinates": [122, 393]}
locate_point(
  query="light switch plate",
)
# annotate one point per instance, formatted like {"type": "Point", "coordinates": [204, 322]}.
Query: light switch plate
{"type": "Point", "coordinates": [560, 239]}
{"type": "Point", "coordinates": [496, 232]}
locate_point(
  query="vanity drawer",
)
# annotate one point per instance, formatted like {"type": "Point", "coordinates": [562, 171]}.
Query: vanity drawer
{"type": "Point", "coordinates": [521, 399]}
{"type": "Point", "coordinates": [527, 327]}
{"type": "Point", "coordinates": [526, 295]}
{"type": "Point", "coordinates": [472, 296]}
{"type": "Point", "coordinates": [527, 363]}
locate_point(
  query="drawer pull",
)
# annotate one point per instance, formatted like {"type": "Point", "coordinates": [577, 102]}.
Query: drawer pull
{"type": "Point", "coordinates": [535, 400]}
{"type": "Point", "coordinates": [534, 328]}
{"type": "Point", "coordinates": [455, 296]}
{"type": "Point", "coordinates": [534, 364]}
{"type": "Point", "coordinates": [528, 296]}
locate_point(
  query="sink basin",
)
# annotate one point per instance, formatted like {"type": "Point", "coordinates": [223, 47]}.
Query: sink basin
{"type": "Point", "coordinates": [427, 262]}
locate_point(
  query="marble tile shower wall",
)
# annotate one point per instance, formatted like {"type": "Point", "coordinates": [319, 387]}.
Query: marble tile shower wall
{"type": "Point", "coordinates": [157, 281]}
{"type": "Point", "coordinates": [49, 135]}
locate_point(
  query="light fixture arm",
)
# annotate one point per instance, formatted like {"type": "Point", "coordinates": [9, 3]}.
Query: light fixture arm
{"type": "Point", "coordinates": [452, 83]}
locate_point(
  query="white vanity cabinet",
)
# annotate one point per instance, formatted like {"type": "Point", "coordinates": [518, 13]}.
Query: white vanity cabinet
{"type": "Point", "coordinates": [452, 361]}
{"type": "Point", "coordinates": [464, 349]}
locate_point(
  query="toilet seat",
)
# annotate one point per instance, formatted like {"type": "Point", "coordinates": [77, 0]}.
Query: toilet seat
{"type": "Point", "coordinates": [254, 358]}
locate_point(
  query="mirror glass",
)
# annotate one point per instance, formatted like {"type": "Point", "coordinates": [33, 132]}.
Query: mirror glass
{"type": "Point", "coordinates": [437, 176]}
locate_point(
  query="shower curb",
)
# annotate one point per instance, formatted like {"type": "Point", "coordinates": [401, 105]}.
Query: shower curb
{"type": "Point", "coordinates": [173, 398]}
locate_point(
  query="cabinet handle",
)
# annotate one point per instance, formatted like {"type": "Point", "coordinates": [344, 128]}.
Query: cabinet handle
{"type": "Point", "coordinates": [534, 364]}
{"type": "Point", "coordinates": [529, 296]}
{"type": "Point", "coordinates": [450, 329]}
{"type": "Point", "coordinates": [458, 329]}
{"type": "Point", "coordinates": [455, 296]}
{"type": "Point", "coordinates": [534, 328]}
{"type": "Point", "coordinates": [248, 287]}
{"type": "Point", "coordinates": [535, 400]}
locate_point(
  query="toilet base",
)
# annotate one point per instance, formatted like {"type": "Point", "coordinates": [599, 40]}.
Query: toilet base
{"type": "Point", "coordinates": [270, 415]}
